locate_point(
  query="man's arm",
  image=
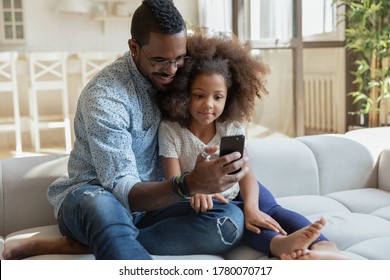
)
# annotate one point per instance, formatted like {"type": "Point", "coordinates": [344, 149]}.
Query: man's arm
{"type": "Point", "coordinates": [208, 176]}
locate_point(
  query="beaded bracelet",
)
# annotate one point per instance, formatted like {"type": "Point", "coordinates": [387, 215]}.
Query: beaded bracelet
{"type": "Point", "coordinates": [179, 186]}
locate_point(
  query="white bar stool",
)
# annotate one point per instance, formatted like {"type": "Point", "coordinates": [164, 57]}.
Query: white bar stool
{"type": "Point", "coordinates": [8, 84]}
{"type": "Point", "coordinates": [48, 73]}
{"type": "Point", "coordinates": [94, 61]}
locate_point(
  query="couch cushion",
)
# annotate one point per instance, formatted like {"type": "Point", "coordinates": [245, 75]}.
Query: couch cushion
{"type": "Point", "coordinates": [365, 200]}
{"type": "Point", "coordinates": [383, 212]}
{"type": "Point", "coordinates": [244, 252]}
{"type": "Point", "coordinates": [346, 230]}
{"type": "Point", "coordinates": [53, 231]}
{"type": "Point", "coordinates": [312, 204]}
{"type": "Point", "coordinates": [91, 257]}
{"type": "Point", "coordinates": [343, 163]}
{"type": "Point", "coordinates": [369, 248]}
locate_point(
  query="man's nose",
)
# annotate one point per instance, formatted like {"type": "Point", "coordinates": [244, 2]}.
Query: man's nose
{"type": "Point", "coordinates": [171, 69]}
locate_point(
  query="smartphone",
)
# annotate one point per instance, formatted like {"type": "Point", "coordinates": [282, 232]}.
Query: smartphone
{"type": "Point", "coordinates": [230, 144]}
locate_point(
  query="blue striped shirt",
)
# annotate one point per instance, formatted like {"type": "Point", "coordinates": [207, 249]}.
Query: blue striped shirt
{"type": "Point", "coordinates": [116, 125]}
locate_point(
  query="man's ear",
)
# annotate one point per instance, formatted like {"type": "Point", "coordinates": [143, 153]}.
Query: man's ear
{"type": "Point", "coordinates": [133, 46]}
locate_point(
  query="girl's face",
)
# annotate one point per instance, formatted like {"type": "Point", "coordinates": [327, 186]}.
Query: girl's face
{"type": "Point", "coordinates": [208, 97]}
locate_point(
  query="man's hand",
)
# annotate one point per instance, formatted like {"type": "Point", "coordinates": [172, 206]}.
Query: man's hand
{"type": "Point", "coordinates": [211, 176]}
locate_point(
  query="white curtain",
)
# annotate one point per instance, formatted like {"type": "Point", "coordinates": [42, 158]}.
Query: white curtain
{"type": "Point", "coordinates": [274, 114]}
{"type": "Point", "coordinates": [270, 19]}
{"type": "Point", "coordinates": [216, 15]}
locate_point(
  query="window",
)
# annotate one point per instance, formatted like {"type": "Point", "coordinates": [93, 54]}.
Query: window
{"type": "Point", "coordinates": [272, 20]}
{"type": "Point", "coordinates": [291, 36]}
{"type": "Point", "coordinates": [321, 21]}
{"type": "Point", "coordinates": [283, 32]}
{"type": "Point", "coordinates": [11, 19]}
{"type": "Point", "coordinates": [216, 15]}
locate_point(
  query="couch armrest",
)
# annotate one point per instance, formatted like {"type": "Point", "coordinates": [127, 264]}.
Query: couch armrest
{"type": "Point", "coordinates": [383, 170]}
{"type": "Point", "coordinates": [24, 186]}
{"type": "Point", "coordinates": [343, 163]}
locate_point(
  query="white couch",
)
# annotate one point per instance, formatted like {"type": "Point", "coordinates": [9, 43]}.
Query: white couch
{"type": "Point", "coordinates": [343, 178]}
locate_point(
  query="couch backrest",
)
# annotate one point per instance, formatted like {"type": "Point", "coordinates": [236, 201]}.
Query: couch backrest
{"type": "Point", "coordinates": [23, 186]}
{"type": "Point", "coordinates": [343, 163]}
{"type": "Point", "coordinates": [307, 165]}
{"type": "Point", "coordinates": [285, 166]}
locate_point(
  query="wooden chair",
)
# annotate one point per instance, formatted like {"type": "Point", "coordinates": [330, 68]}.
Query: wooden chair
{"type": "Point", "coordinates": [8, 84]}
{"type": "Point", "coordinates": [48, 72]}
{"type": "Point", "coordinates": [94, 61]}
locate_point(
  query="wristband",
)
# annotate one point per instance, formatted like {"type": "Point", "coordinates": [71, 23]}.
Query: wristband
{"type": "Point", "coordinates": [179, 186]}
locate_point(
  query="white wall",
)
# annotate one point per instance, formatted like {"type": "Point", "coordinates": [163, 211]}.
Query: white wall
{"type": "Point", "coordinates": [48, 30]}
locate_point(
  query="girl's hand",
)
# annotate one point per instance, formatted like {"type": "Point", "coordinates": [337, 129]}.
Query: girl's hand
{"type": "Point", "coordinates": [204, 202]}
{"type": "Point", "coordinates": [255, 219]}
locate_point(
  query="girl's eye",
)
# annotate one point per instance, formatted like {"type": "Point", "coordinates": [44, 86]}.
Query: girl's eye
{"type": "Point", "coordinates": [198, 96]}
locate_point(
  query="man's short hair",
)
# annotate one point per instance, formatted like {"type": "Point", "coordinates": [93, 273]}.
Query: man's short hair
{"type": "Point", "coordinates": [160, 16]}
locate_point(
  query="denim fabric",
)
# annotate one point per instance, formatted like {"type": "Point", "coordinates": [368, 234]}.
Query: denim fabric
{"type": "Point", "coordinates": [94, 217]}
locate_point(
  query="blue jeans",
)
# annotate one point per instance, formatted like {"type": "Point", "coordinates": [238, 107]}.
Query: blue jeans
{"type": "Point", "coordinates": [95, 218]}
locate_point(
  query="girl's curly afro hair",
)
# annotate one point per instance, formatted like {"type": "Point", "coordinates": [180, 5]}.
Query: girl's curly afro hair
{"type": "Point", "coordinates": [221, 54]}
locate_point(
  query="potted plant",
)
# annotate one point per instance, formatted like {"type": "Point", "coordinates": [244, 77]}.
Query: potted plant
{"type": "Point", "coordinates": [367, 38]}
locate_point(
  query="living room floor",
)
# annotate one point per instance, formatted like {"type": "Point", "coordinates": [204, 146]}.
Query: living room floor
{"type": "Point", "coordinates": [4, 154]}
{"type": "Point", "coordinates": [253, 131]}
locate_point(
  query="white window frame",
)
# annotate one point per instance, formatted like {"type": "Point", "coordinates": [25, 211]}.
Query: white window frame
{"type": "Point", "coordinates": [12, 23]}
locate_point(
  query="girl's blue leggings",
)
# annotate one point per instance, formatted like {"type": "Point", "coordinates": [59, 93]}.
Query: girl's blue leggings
{"type": "Point", "coordinates": [289, 220]}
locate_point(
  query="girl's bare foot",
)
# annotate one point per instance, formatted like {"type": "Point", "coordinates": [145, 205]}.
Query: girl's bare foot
{"type": "Point", "coordinates": [294, 255]}
{"type": "Point", "coordinates": [40, 246]}
{"type": "Point", "coordinates": [324, 255]}
{"type": "Point", "coordinates": [295, 245]}
{"type": "Point", "coordinates": [324, 250]}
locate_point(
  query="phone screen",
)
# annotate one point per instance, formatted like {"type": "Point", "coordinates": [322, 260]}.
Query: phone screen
{"type": "Point", "coordinates": [230, 144]}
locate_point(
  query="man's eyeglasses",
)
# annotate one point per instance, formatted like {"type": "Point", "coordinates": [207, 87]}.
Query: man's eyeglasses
{"type": "Point", "coordinates": [163, 64]}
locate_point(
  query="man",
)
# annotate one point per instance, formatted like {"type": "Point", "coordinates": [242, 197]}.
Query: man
{"type": "Point", "coordinates": [114, 200]}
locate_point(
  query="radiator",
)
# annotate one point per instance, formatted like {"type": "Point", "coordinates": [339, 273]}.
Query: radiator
{"type": "Point", "coordinates": [384, 114]}
{"type": "Point", "coordinates": [320, 103]}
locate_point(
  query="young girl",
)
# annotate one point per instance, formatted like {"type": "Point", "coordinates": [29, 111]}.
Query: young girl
{"type": "Point", "coordinates": [211, 96]}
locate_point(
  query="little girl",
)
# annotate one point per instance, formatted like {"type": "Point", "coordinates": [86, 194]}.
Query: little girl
{"type": "Point", "coordinates": [211, 96]}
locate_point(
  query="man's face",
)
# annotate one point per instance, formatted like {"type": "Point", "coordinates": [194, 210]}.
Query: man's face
{"type": "Point", "coordinates": [159, 59]}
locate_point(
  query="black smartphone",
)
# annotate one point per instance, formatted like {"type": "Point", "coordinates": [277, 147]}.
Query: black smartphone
{"type": "Point", "coordinates": [230, 144]}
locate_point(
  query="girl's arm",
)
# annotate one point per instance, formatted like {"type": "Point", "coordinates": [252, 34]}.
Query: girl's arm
{"type": "Point", "coordinates": [171, 167]}
{"type": "Point", "coordinates": [254, 217]}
